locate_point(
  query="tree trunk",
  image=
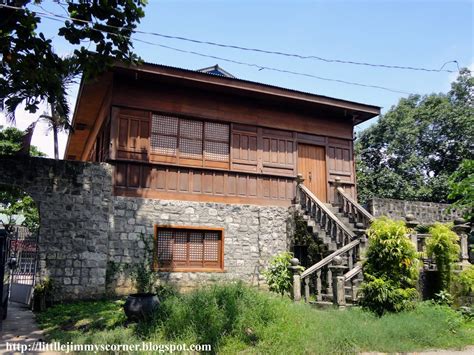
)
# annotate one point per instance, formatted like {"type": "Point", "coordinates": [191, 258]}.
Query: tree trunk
{"type": "Point", "coordinates": [56, 150]}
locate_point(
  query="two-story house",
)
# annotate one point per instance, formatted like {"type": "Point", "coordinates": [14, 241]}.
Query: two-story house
{"type": "Point", "coordinates": [206, 164]}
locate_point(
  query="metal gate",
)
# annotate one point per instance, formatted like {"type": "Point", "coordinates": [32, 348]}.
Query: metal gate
{"type": "Point", "coordinates": [4, 273]}
{"type": "Point", "coordinates": [24, 247]}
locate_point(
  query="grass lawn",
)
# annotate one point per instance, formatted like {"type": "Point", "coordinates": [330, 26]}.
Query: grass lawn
{"type": "Point", "coordinates": [234, 318]}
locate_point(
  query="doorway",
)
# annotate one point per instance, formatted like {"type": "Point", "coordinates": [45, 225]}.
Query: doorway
{"type": "Point", "coordinates": [312, 165]}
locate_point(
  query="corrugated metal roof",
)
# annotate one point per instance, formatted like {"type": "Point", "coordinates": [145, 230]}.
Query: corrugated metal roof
{"type": "Point", "coordinates": [261, 84]}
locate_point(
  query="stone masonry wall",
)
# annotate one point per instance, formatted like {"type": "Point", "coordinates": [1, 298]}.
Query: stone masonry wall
{"type": "Point", "coordinates": [252, 235]}
{"type": "Point", "coordinates": [424, 212]}
{"type": "Point", "coordinates": [83, 227]}
{"type": "Point", "coordinates": [74, 202]}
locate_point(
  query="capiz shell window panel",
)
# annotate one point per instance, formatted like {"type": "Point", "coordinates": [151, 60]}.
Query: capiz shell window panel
{"type": "Point", "coordinates": [164, 135]}
{"type": "Point", "coordinates": [188, 249]}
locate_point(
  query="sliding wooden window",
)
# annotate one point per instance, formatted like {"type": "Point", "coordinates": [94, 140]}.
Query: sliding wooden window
{"type": "Point", "coordinates": [133, 135]}
{"type": "Point", "coordinates": [189, 142]}
{"type": "Point", "coordinates": [188, 249]}
{"type": "Point", "coordinates": [216, 145]}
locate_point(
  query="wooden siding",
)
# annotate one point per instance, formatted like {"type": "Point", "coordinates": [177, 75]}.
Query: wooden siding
{"type": "Point", "coordinates": [253, 151]}
{"type": "Point", "coordinates": [168, 182]}
{"type": "Point", "coordinates": [165, 97]}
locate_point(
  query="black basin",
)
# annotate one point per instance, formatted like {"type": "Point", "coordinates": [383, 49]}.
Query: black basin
{"type": "Point", "coordinates": [140, 306]}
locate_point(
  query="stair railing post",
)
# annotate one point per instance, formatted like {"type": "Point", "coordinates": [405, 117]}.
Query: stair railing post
{"type": "Point", "coordinates": [411, 223]}
{"type": "Point", "coordinates": [338, 199]}
{"type": "Point", "coordinates": [299, 181]}
{"type": "Point", "coordinates": [361, 234]}
{"type": "Point", "coordinates": [461, 228]}
{"type": "Point", "coordinates": [296, 271]}
{"type": "Point", "coordinates": [338, 281]}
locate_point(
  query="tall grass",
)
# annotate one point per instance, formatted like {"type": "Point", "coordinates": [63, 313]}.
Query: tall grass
{"type": "Point", "coordinates": [236, 318]}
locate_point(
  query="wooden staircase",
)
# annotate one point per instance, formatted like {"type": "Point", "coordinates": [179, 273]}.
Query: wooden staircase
{"type": "Point", "coordinates": [341, 227]}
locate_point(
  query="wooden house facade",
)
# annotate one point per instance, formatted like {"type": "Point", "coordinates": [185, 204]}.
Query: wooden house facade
{"type": "Point", "coordinates": [206, 137]}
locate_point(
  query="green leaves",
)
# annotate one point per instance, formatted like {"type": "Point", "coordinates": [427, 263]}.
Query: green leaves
{"type": "Point", "coordinates": [390, 269]}
{"type": "Point", "coordinates": [410, 152]}
{"type": "Point", "coordinates": [278, 276]}
{"type": "Point", "coordinates": [31, 71]}
{"type": "Point", "coordinates": [442, 246]}
{"type": "Point", "coordinates": [461, 188]}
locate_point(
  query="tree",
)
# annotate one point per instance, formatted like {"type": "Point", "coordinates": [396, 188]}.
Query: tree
{"type": "Point", "coordinates": [10, 142]}
{"type": "Point", "coordinates": [15, 205]}
{"type": "Point", "coordinates": [461, 188]}
{"type": "Point", "coordinates": [414, 148]}
{"type": "Point", "coordinates": [31, 72]}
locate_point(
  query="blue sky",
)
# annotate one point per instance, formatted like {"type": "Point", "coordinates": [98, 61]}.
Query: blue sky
{"type": "Point", "coordinates": [407, 33]}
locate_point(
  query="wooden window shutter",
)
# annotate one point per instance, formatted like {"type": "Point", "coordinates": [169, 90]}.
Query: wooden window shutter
{"type": "Point", "coordinates": [244, 148]}
{"type": "Point", "coordinates": [181, 249]}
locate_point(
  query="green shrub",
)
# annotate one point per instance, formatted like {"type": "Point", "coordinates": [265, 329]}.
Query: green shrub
{"type": "Point", "coordinates": [278, 277]}
{"type": "Point", "coordinates": [462, 286]}
{"type": "Point", "coordinates": [442, 246]}
{"type": "Point", "coordinates": [390, 269]}
{"type": "Point", "coordinates": [164, 291]}
{"type": "Point", "coordinates": [465, 279]}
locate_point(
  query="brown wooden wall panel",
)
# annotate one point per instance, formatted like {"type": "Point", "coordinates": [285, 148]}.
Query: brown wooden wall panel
{"type": "Point", "coordinates": [340, 165]}
{"type": "Point", "coordinates": [157, 181]}
{"type": "Point", "coordinates": [133, 135]}
{"type": "Point", "coordinates": [194, 103]}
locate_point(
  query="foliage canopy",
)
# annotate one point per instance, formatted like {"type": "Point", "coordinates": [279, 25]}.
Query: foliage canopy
{"type": "Point", "coordinates": [461, 188]}
{"type": "Point", "coordinates": [31, 71]}
{"type": "Point", "coordinates": [413, 149]}
{"type": "Point", "coordinates": [15, 203]}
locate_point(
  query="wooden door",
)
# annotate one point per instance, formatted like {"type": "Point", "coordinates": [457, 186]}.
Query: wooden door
{"type": "Point", "coordinates": [312, 165]}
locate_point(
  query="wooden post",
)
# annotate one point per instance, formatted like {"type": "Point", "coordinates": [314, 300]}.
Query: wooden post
{"type": "Point", "coordinates": [295, 269]}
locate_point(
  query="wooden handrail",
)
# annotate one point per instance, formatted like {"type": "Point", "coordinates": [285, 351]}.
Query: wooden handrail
{"type": "Point", "coordinates": [354, 203]}
{"type": "Point", "coordinates": [351, 273]}
{"type": "Point", "coordinates": [327, 260]}
{"type": "Point", "coordinates": [326, 210]}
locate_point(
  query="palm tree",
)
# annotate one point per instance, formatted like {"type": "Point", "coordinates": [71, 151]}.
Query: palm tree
{"type": "Point", "coordinates": [57, 120]}
{"type": "Point", "coordinates": [55, 96]}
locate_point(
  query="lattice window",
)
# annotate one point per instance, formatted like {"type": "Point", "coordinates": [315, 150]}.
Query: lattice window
{"type": "Point", "coordinates": [189, 148]}
{"type": "Point", "coordinates": [187, 248]}
{"type": "Point", "coordinates": [164, 135]}
{"type": "Point", "coordinates": [190, 139]}
{"type": "Point", "coordinates": [217, 131]}
{"type": "Point", "coordinates": [196, 246]}
{"type": "Point", "coordinates": [212, 246]}
{"type": "Point", "coordinates": [165, 246]}
{"type": "Point", "coordinates": [190, 129]}
{"type": "Point", "coordinates": [216, 141]}
{"type": "Point", "coordinates": [216, 151]}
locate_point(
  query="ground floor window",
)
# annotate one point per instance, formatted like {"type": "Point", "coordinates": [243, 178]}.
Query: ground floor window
{"type": "Point", "coordinates": [189, 248]}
